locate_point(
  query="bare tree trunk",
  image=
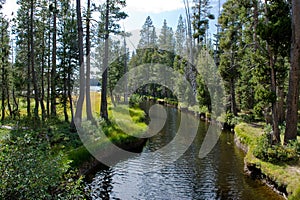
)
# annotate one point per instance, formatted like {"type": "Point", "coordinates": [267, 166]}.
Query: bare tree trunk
{"type": "Point", "coordinates": [15, 111]}
{"type": "Point", "coordinates": [8, 101]}
{"type": "Point", "coordinates": [53, 70]}
{"type": "Point", "coordinates": [65, 88]}
{"type": "Point", "coordinates": [293, 93]}
{"type": "Point", "coordinates": [280, 105]}
{"type": "Point", "coordinates": [275, 124]}
{"type": "Point", "coordinates": [232, 86]}
{"type": "Point", "coordinates": [125, 70]}
{"type": "Point", "coordinates": [72, 124]}
{"type": "Point", "coordinates": [34, 79]}
{"type": "Point", "coordinates": [78, 113]}
{"type": "Point", "coordinates": [42, 80]}
{"type": "Point", "coordinates": [16, 105]}
{"type": "Point", "coordinates": [28, 75]}
{"type": "Point", "coordinates": [190, 73]}
{"type": "Point", "coordinates": [3, 76]}
{"type": "Point", "coordinates": [103, 110]}
{"type": "Point", "coordinates": [48, 72]}
{"type": "Point", "coordinates": [88, 64]}
{"type": "Point", "coordinates": [232, 97]}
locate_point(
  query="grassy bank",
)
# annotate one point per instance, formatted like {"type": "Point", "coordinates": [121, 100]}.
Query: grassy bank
{"type": "Point", "coordinates": [283, 174]}
{"type": "Point", "coordinates": [46, 162]}
{"type": "Point", "coordinates": [134, 123]}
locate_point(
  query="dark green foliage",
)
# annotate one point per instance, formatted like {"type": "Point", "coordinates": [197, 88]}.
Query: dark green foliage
{"type": "Point", "coordinates": [148, 35]}
{"type": "Point", "coordinates": [135, 100]}
{"type": "Point", "coordinates": [276, 153]}
{"type": "Point", "coordinates": [277, 31]}
{"type": "Point", "coordinates": [31, 170]}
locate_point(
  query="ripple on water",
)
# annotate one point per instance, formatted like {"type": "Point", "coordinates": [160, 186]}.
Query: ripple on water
{"type": "Point", "coordinates": [217, 176]}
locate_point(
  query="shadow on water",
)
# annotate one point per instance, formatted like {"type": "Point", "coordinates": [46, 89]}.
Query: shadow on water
{"type": "Point", "coordinates": [219, 175]}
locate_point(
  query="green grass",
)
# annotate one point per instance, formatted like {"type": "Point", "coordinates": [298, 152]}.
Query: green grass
{"type": "Point", "coordinates": [247, 134]}
{"type": "Point", "coordinates": [284, 174]}
{"type": "Point", "coordinates": [122, 120]}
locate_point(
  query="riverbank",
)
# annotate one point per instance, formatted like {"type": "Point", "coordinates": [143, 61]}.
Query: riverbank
{"type": "Point", "coordinates": [282, 177]}
{"type": "Point", "coordinates": [51, 161]}
{"type": "Point", "coordinates": [83, 159]}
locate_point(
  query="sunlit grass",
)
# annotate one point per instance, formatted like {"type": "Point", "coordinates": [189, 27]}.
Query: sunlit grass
{"type": "Point", "coordinates": [284, 174]}
{"type": "Point", "coordinates": [124, 123]}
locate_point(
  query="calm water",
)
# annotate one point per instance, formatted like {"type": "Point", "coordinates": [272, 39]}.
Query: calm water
{"type": "Point", "coordinates": [218, 176]}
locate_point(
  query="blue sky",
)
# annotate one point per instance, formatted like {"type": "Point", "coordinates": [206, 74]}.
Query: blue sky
{"type": "Point", "coordinates": [138, 10]}
{"type": "Point", "coordinates": [159, 10]}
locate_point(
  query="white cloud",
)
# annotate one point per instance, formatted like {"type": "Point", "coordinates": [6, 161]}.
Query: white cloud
{"type": "Point", "coordinates": [153, 6]}
{"type": "Point", "coordinates": [10, 7]}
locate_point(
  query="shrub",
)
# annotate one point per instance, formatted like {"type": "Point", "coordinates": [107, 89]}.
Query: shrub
{"type": "Point", "coordinates": [135, 100]}
{"type": "Point", "coordinates": [275, 153]}
{"type": "Point", "coordinates": [30, 170]}
{"type": "Point", "coordinates": [230, 119]}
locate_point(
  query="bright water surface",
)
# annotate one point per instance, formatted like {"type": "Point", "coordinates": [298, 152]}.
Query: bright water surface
{"type": "Point", "coordinates": [219, 175]}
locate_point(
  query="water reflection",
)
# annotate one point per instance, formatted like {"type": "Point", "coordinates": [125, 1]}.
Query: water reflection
{"type": "Point", "coordinates": [217, 176]}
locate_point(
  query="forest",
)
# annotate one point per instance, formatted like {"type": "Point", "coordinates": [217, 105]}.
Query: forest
{"type": "Point", "coordinates": [53, 51]}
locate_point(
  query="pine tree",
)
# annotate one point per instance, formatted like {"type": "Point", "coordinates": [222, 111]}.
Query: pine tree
{"type": "Point", "coordinates": [275, 31]}
{"type": "Point", "coordinates": [148, 35]}
{"type": "Point", "coordinates": [230, 41]}
{"type": "Point", "coordinates": [113, 14]}
{"type": "Point", "coordinates": [180, 37]}
{"type": "Point", "coordinates": [201, 19]}
{"type": "Point", "coordinates": [4, 67]}
{"type": "Point", "coordinates": [166, 38]}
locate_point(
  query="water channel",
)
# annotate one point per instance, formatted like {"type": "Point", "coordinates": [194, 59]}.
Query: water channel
{"type": "Point", "coordinates": [219, 175]}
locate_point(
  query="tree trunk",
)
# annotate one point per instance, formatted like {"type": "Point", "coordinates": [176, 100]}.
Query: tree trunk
{"type": "Point", "coordinates": [103, 110]}
{"type": "Point", "coordinates": [48, 72]}
{"type": "Point", "coordinates": [3, 75]}
{"type": "Point", "coordinates": [272, 61]}
{"type": "Point", "coordinates": [34, 79]}
{"type": "Point", "coordinates": [65, 83]}
{"type": "Point", "coordinates": [78, 113]}
{"type": "Point", "coordinates": [293, 93]}
{"type": "Point", "coordinates": [280, 105]}
{"type": "Point", "coordinates": [88, 64]}
{"type": "Point", "coordinates": [42, 93]}
{"type": "Point", "coordinates": [16, 105]}
{"type": "Point", "coordinates": [275, 121]}
{"type": "Point", "coordinates": [43, 83]}
{"type": "Point", "coordinates": [232, 96]}
{"type": "Point", "coordinates": [53, 70]}
{"type": "Point", "coordinates": [72, 124]}
{"type": "Point", "coordinates": [28, 75]}
{"type": "Point", "coordinates": [8, 101]}
{"type": "Point", "coordinates": [125, 70]}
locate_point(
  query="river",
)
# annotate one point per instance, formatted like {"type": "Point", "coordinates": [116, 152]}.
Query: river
{"type": "Point", "coordinates": [219, 175]}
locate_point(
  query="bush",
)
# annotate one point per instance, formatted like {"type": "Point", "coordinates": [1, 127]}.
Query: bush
{"type": "Point", "coordinates": [230, 119]}
{"type": "Point", "coordinates": [276, 153]}
{"type": "Point", "coordinates": [135, 100]}
{"type": "Point", "coordinates": [30, 170]}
